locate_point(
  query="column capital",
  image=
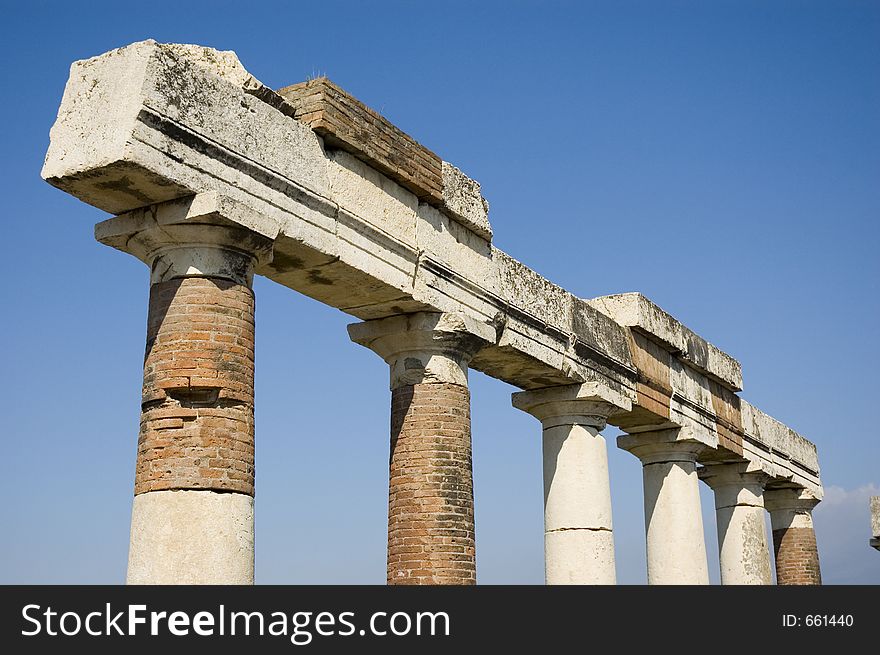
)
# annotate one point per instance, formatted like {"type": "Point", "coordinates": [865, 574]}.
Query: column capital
{"type": "Point", "coordinates": [794, 499]}
{"type": "Point", "coordinates": [735, 483]}
{"type": "Point", "coordinates": [424, 347]}
{"type": "Point", "coordinates": [590, 404]}
{"type": "Point", "coordinates": [739, 473]}
{"type": "Point", "coordinates": [204, 235]}
{"type": "Point", "coordinates": [668, 445]}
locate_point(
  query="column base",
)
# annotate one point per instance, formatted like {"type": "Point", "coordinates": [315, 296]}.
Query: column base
{"type": "Point", "coordinates": [191, 537]}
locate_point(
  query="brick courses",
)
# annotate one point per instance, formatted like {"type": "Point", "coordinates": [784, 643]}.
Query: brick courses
{"type": "Point", "coordinates": [197, 420]}
{"type": "Point", "coordinates": [346, 123]}
{"type": "Point", "coordinates": [431, 502]}
{"type": "Point", "coordinates": [797, 558]}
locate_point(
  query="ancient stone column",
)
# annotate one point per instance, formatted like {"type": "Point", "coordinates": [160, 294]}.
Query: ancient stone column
{"type": "Point", "coordinates": [739, 512]}
{"type": "Point", "coordinates": [578, 536]}
{"type": "Point", "coordinates": [431, 498]}
{"type": "Point", "coordinates": [676, 549]}
{"type": "Point", "coordinates": [874, 506]}
{"type": "Point", "coordinates": [794, 540]}
{"type": "Point", "coordinates": [193, 512]}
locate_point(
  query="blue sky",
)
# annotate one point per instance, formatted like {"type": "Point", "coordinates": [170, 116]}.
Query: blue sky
{"type": "Point", "coordinates": [723, 158]}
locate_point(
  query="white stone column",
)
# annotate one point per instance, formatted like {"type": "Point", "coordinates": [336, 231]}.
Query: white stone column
{"type": "Point", "coordinates": [739, 514]}
{"type": "Point", "coordinates": [875, 522]}
{"type": "Point", "coordinates": [578, 534]}
{"type": "Point", "coordinates": [676, 549]}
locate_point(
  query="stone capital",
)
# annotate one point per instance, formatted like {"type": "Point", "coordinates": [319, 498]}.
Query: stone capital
{"type": "Point", "coordinates": [735, 483]}
{"type": "Point", "coordinates": [662, 446]}
{"type": "Point", "coordinates": [424, 347]}
{"type": "Point", "coordinates": [790, 498]}
{"type": "Point", "coordinates": [201, 235]}
{"type": "Point", "coordinates": [790, 507]}
{"type": "Point", "coordinates": [590, 404]}
{"type": "Point", "coordinates": [742, 473]}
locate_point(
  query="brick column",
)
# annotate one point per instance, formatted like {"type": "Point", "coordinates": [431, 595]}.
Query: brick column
{"type": "Point", "coordinates": [676, 548]}
{"type": "Point", "coordinates": [578, 537]}
{"type": "Point", "coordinates": [431, 498]}
{"type": "Point", "coordinates": [193, 516]}
{"type": "Point", "coordinates": [794, 540]}
{"type": "Point", "coordinates": [739, 512]}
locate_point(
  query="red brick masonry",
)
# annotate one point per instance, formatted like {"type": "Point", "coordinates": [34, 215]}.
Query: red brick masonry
{"type": "Point", "coordinates": [797, 559]}
{"type": "Point", "coordinates": [431, 498]}
{"type": "Point", "coordinates": [197, 420]}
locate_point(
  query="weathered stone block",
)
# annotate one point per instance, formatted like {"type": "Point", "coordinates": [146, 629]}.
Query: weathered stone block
{"type": "Point", "coordinates": [875, 521]}
{"type": "Point", "coordinates": [635, 311]}
{"type": "Point", "coordinates": [464, 201]}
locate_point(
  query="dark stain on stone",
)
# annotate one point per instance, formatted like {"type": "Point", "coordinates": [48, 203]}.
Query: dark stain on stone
{"type": "Point", "coordinates": [315, 277]}
{"type": "Point", "coordinates": [413, 364]}
{"type": "Point", "coordinates": [283, 263]}
{"type": "Point", "coordinates": [124, 185]}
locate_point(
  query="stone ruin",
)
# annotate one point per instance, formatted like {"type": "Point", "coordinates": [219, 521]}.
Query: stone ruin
{"type": "Point", "coordinates": [212, 177]}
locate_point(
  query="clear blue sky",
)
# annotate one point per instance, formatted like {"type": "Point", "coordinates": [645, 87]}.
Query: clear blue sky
{"type": "Point", "coordinates": [723, 158]}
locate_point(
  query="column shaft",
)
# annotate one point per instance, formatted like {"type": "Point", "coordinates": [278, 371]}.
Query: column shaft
{"type": "Point", "coordinates": [676, 548]}
{"type": "Point", "coordinates": [794, 540]}
{"type": "Point", "coordinates": [578, 537]}
{"type": "Point", "coordinates": [431, 497]}
{"type": "Point", "coordinates": [192, 517]}
{"type": "Point", "coordinates": [740, 518]}
{"type": "Point", "coordinates": [578, 533]}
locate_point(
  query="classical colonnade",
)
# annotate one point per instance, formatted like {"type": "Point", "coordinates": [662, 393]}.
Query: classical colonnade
{"type": "Point", "coordinates": [197, 436]}
{"type": "Point", "coordinates": [212, 177]}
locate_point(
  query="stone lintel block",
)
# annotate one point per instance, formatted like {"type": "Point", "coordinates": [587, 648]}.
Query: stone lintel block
{"type": "Point", "coordinates": [126, 111]}
{"type": "Point", "coordinates": [779, 439]}
{"type": "Point", "coordinates": [590, 399]}
{"type": "Point", "coordinates": [582, 330]}
{"type": "Point", "coordinates": [637, 312]}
